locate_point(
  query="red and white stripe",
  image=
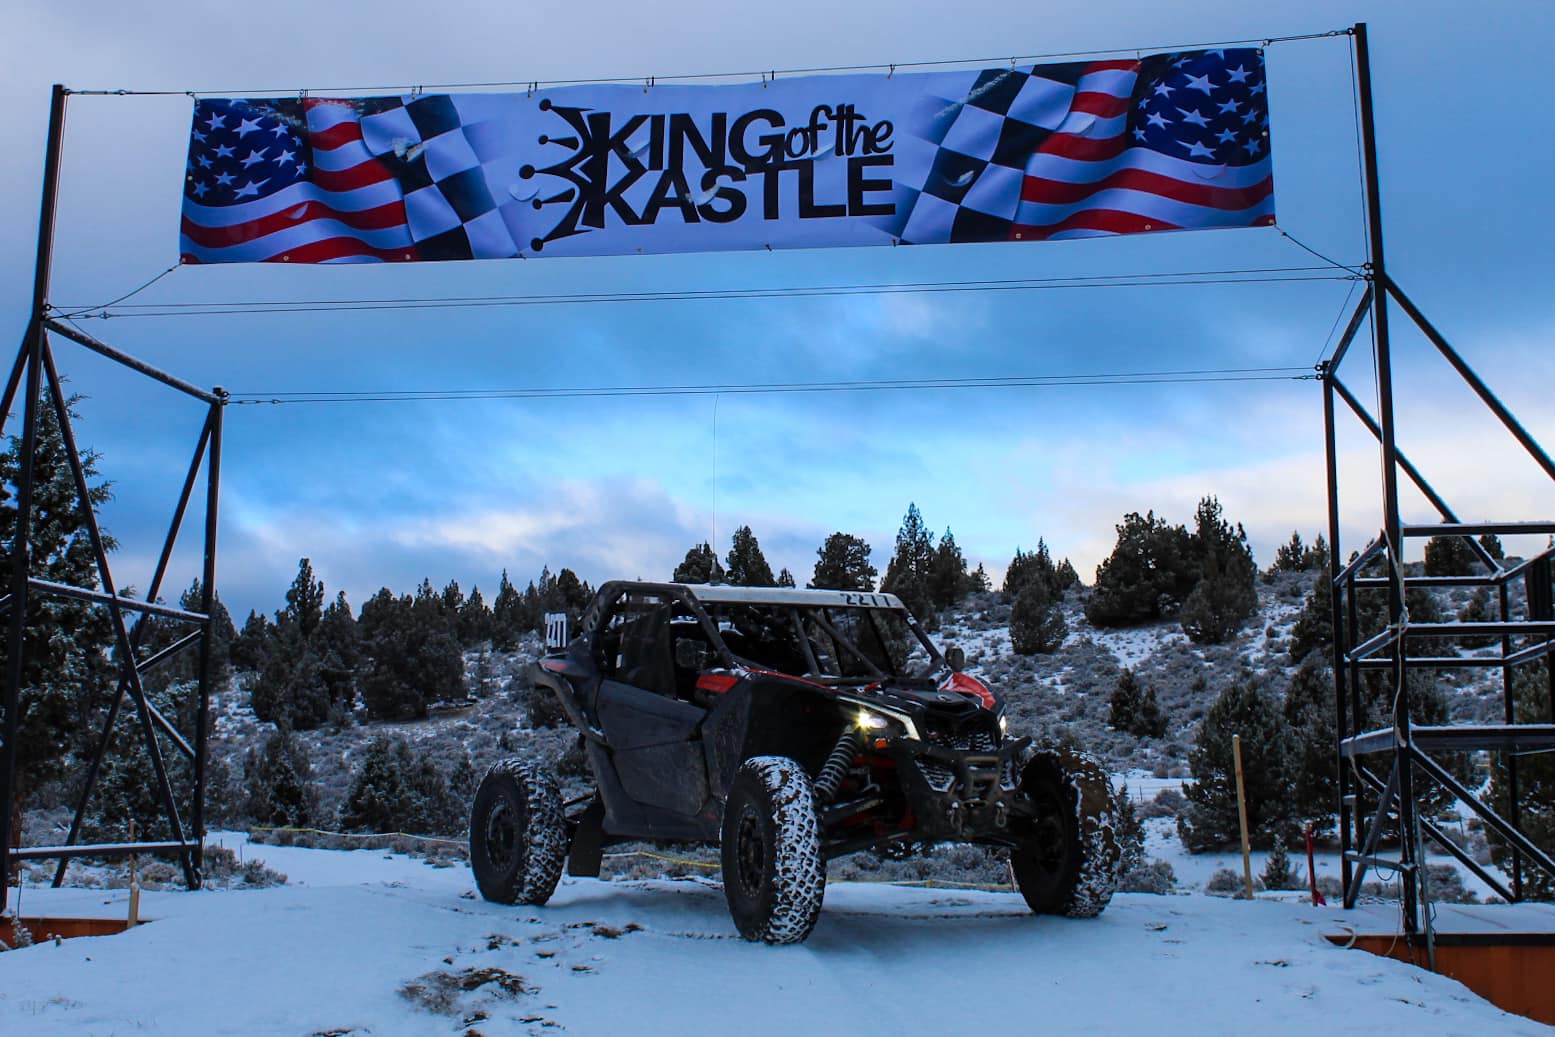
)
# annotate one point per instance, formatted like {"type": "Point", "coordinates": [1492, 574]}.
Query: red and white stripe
{"type": "Point", "coordinates": [1089, 179]}
{"type": "Point", "coordinates": [349, 209]}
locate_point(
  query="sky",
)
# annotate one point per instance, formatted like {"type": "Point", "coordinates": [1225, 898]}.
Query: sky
{"type": "Point", "coordinates": [384, 494]}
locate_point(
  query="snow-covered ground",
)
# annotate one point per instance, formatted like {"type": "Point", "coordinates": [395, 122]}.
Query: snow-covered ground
{"type": "Point", "coordinates": [365, 942]}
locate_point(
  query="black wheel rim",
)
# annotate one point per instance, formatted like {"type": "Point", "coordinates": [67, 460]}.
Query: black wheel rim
{"type": "Point", "coordinates": [750, 853]}
{"type": "Point", "coordinates": [501, 835]}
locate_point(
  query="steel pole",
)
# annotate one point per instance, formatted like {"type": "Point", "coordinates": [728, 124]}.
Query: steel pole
{"type": "Point", "coordinates": [208, 590]}
{"type": "Point", "coordinates": [21, 553]}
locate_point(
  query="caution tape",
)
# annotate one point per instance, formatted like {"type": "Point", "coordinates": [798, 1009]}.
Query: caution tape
{"type": "Point", "coordinates": [993, 887]}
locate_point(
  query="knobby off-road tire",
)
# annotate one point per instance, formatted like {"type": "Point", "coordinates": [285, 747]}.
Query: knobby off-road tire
{"type": "Point", "coordinates": [518, 840]}
{"type": "Point", "coordinates": [1068, 864]}
{"type": "Point", "coordinates": [773, 874]}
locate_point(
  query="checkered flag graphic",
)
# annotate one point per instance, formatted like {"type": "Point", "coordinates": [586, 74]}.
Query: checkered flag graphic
{"type": "Point", "coordinates": [980, 145]}
{"type": "Point", "coordinates": [437, 147]}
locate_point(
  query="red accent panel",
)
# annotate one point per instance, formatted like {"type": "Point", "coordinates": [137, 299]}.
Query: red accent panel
{"type": "Point", "coordinates": [717, 683]}
{"type": "Point", "coordinates": [968, 685]}
{"type": "Point", "coordinates": [785, 676]}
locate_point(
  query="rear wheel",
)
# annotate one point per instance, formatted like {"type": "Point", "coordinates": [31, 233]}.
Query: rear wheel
{"type": "Point", "coordinates": [774, 876]}
{"type": "Point", "coordinates": [1067, 862]}
{"type": "Point", "coordinates": [518, 840]}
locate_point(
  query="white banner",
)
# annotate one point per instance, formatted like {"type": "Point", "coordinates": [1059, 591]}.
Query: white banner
{"type": "Point", "coordinates": [1165, 142]}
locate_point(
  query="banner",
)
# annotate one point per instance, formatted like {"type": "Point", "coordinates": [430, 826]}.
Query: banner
{"type": "Point", "coordinates": [1030, 153]}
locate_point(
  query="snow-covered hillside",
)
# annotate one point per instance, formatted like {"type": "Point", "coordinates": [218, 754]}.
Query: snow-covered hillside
{"type": "Point", "coordinates": [364, 943]}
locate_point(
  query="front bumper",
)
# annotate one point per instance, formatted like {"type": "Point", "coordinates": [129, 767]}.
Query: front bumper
{"type": "Point", "coordinates": [960, 793]}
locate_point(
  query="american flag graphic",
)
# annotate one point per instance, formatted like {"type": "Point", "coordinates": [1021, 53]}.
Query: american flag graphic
{"type": "Point", "coordinates": [1170, 142]}
{"type": "Point", "coordinates": [288, 180]}
{"type": "Point", "coordinates": [1165, 142]}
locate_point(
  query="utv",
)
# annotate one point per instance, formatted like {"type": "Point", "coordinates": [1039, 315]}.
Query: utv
{"type": "Point", "coordinates": [789, 727]}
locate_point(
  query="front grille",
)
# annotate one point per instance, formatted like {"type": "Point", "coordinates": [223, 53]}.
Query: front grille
{"type": "Point", "coordinates": [974, 738]}
{"type": "Point", "coordinates": [939, 777]}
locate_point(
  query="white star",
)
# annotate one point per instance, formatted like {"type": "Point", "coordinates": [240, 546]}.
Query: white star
{"type": "Point", "coordinates": [1218, 53]}
{"type": "Point", "coordinates": [254, 156]}
{"type": "Point", "coordinates": [1162, 90]}
{"type": "Point", "coordinates": [198, 136]}
{"type": "Point", "coordinates": [1193, 117]}
{"type": "Point", "coordinates": [204, 160]}
{"type": "Point", "coordinates": [247, 126]}
{"type": "Point", "coordinates": [216, 122]}
{"type": "Point", "coordinates": [1139, 134]}
{"type": "Point", "coordinates": [1249, 116]}
{"type": "Point", "coordinates": [1157, 119]}
{"type": "Point", "coordinates": [1180, 62]}
{"type": "Point", "coordinates": [1227, 137]}
{"type": "Point", "coordinates": [1144, 102]}
{"type": "Point", "coordinates": [1229, 107]}
{"type": "Point", "coordinates": [223, 151]}
{"type": "Point", "coordinates": [280, 129]}
{"type": "Point", "coordinates": [224, 179]}
{"type": "Point", "coordinates": [1238, 74]}
{"type": "Point", "coordinates": [1257, 89]}
{"type": "Point", "coordinates": [1201, 83]}
{"type": "Point", "coordinates": [302, 167]}
{"type": "Point", "coordinates": [251, 188]}
{"type": "Point", "coordinates": [200, 189]}
{"type": "Point", "coordinates": [1196, 150]}
{"type": "Point", "coordinates": [285, 157]}
{"type": "Point", "coordinates": [1252, 146]}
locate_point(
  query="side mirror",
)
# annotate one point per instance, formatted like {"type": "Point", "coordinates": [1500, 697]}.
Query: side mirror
{"type": "Point", "coordinates": [955, 657]}
{"type": "Point", "coordinates": [691, 654]}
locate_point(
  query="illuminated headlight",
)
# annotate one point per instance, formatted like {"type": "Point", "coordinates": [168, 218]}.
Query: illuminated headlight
{"type": "Point", "coordinates": [868, 721]}
{"type": "Point", "coordinates": [1004, 724]}
{"type": "Point", "coordinates": [875, 720]}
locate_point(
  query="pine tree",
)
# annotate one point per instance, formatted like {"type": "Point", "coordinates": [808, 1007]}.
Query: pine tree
{"type": "Point", "coordinates": [252, 643]}
{"type": "Point", "coordinates": [1037, 624]}
{"type": "Point", "coordinates": [414, 657]}
{"type": "Point", "coordinates": [398, 790]}
{"type": "Point", "coordinates": [1149, 574]}
{"type": "Point", "coordinates": [907, 575]}
{"type": "Point", "coordinates": [304, 599]}
{"type": "Point", "coordinates": [1450, 556]}
{"type": "Point", "coordinates": [1268, 751]}
{"type": "Point", "coordinates": [1292, 557]}
{"type": "Point", "coordinates": [1277, 873]}
{"type": "Point", "coordinates": [978, 582]}
{"type": "Point", "coordinates": [279, 779]}
{"type": "Point", "coordinates": [1536, 784]}
{"type": "Point", "coordinates": [67, 669]}
{"type": "Point", "coordinates": [475, 620]}
{"type": "Point", "coordinates": [1134, 709]}
{"type": "Point", "coordinates": [947, 573]}
{"type": "Point", "coordinates": [699, 566]}
{"type": "Point", "coordinates": [1492, 545]}
{"type": "Point", "coordinates": [785, 578]}
{"type": "Point", "coordinates": [338, 645]}
{"type": "Point", "coordinates": [1314, 628]}
{"type": "Point", "coordinates": [1477, 610]}
{"type": "Point", "coordinates": [745, 565]}
{"type": "Point", "coordinates": [842, 564]}
{"type": "Point", "coordinates": [507, 616]}
{"type": "Point", "coordinates": [1225, 594]}
{"type": "Point", "coordinates": [1310, 714]}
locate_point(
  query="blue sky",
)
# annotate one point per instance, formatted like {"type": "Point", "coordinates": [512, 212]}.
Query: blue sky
{"type": "Point", "coordinates": [387, 493]}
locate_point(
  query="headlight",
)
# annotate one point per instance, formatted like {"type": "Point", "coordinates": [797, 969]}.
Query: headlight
{"type": "Point", "coordinates": [1004, 724]}
{"type": "Point", "coordinates": [868, 721]}
{"type": "Point", "coordinates": [874, 719]}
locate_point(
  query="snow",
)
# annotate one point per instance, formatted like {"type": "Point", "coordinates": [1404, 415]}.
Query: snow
{"type": "Point", "coordinates": [331, 951]}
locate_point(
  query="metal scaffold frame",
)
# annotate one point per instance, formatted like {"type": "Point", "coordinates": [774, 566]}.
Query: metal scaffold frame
{"type": "Point", "coordinates": [35, 369]}
{"type": "Point", "coordinates": [1373, 808]}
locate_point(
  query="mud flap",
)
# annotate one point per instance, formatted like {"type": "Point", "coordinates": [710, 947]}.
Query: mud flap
{"type": "Point", "coordinates": [588, 841]}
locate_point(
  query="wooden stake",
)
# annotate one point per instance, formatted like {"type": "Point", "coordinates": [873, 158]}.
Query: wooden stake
{"type": "Point", "coordinates": [1241, 812]}
{"type": "Point", "coordinates": [134, 915]}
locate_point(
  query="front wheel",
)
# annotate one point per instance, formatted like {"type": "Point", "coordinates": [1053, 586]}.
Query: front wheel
{"type": "Point", "coordinates": [773, 873]}
{"type": "Point", "coordinates": [1067, 860]}
{"type": "Point", "coordinates": [518, 839]}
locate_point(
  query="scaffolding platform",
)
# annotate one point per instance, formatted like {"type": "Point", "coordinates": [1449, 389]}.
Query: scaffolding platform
{"type": "Point", "coordinates": [1505, 953]}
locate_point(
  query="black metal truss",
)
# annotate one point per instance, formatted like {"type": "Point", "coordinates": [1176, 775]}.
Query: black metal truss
{"type": "Point", "coordinates": [1373, 808]}
{"type": "Point", "coordinates": [34, 370]}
